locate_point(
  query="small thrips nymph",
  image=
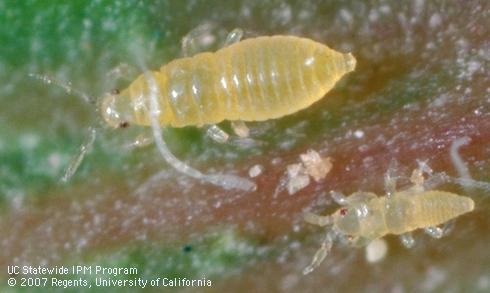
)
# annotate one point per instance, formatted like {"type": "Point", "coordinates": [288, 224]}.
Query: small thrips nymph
{"type": "Point", "coordinates": [364, 216]}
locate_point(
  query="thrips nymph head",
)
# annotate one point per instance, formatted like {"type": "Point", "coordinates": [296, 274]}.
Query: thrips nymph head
{"type": "Point", "coordinates": [347, 221]}
{"type": "Point", "coordinates": [116, 109]}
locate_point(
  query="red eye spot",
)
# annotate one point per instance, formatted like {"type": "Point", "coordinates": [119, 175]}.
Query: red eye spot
{"type": "Point", "coordinates": [343, 212]}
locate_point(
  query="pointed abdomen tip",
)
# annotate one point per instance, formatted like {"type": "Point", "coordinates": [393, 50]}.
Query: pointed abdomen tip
{"type": "Point", "coordinates": [471, 204]}
{"type": "Point", "coordinates": [350, 62]}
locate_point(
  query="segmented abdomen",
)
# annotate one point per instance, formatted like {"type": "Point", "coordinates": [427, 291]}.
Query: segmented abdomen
{"type": "Point", "coordinates": [256, 79]}
{"type": "Point", "coordinates": [431, 208]}
{"type": "Point", "coordinates": [436, 207]}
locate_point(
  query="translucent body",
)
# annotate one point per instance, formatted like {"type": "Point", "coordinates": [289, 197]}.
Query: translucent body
{"type": "Point", "coordinates": [365, 217]}
{"type": "Point", "coordinates": [401, 213]}
{"type": "Point", "coordinates": [253, 80]}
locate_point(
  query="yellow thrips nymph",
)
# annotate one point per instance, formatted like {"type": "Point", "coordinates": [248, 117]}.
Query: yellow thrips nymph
{"type": "Point", "coordinates": [252, 80]}
{"type": "Point", "coordinates": [364, 216]}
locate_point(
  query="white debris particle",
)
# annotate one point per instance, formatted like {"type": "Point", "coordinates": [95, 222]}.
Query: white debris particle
{"type": "Point", "coordinates": [295, 170]}
{"type": "Point", "coordinates": [54, 161]}
{"type": "Point", "coordinates": [109, 25]}
{"type": "Point", "coordinates": [359, 133]}
{"type": "Point", "coordinates": [473, 66]}
{"type": "Point", "coordinates": [385, 9]}
{"type": "Point", "coordinates": [296, 228]}
{"type": "Point", "coordinates": [346, 16]}
{"type": "Point", "coordinates": [376, 250]}
{"type": "Point", "coordinates": [276, 161]}
{"type": "Point", "coordinates": [373, 15]}
{"type": "Point", "coordinates": [483, 283]}
{"type": "Point", "coordinates": [435, 20]}
{"type": "Point", "coordinates": [246, 12]}
{"type": "Point", "coordinates": [282, 14]}
{"type": "Point", "coordinates": [440, 101]}
{"type": "Point", "coordinates": [217, 205]}
{"type": "Point", "coordinates": [430, 46]}
{"type": "Point", "coordinates": [255, 171]}
{"type": "Point", "coordinates": [17, 199]}
{"type": "Point", "coordinates": [81, 243]}
{"type": "Point", "coordinates": [316, 166]}
{"type": "Point", "coordinates": [298, 179]}
{"type": "Point", "coordinates": [419, 7]}
{"type": "Point", "coordinates": [241, 129]}
{"type": "Point", "coordinates": [29, 141]}
{"type": "Point", "coordinates": [289, 281]}
{"type": "Point", "coordinates": [87, 24]}
{"type": "Point", "coordinates": [434, 278]}
{"type": "Point", "coordinates": [363, 148]}
{"type": "Point", "coordinates": [367, 161]}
